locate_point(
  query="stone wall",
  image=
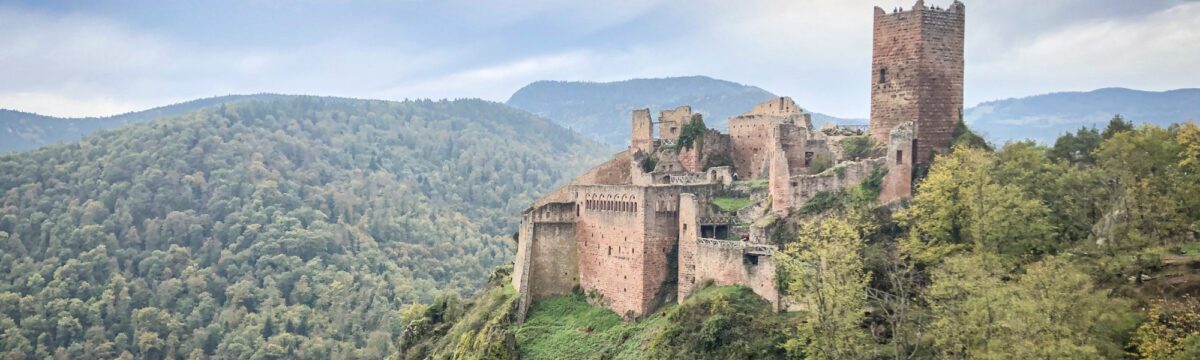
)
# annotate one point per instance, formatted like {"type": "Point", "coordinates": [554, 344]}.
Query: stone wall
{"type": "Point", "coordinates": [713, 145]}
{"type": "Point", "coordinates": [917, 74]}
{"type": "Point", "coordinates": [689, 234]}
{"type": "Point", "coordinates": [750, 137]}
{"type": "Point", "coordinates": [723, 262]}
{"type": "Point", "coordinates": [642, 138]}
{"type": "Point", "coordinates": [547, 256]}
{"type": "Point", "coordinates": [610, 230]}
{"type": "Point", "coordinates": [851, 173]}
{"type": "Point", "coordinates": [670, 122]}
{"type": "Point", "coordinates": [897, 184]}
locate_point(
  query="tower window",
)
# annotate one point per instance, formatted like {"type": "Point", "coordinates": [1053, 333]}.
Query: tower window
{"type": "Point", "coordinates": [882, 75]}
{"type": "Point", "coordinates": [899, 157]}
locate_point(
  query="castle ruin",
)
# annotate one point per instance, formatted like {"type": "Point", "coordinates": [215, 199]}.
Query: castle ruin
{"type": "Point", "coordinates": [648, 226]}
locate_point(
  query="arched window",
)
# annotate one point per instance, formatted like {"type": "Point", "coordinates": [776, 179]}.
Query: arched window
{"type": "Point", "coordinates": [882, 75]}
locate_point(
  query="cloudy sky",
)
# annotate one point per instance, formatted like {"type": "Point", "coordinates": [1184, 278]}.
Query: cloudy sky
{"type": "Point", "coordinates": [77, 58]}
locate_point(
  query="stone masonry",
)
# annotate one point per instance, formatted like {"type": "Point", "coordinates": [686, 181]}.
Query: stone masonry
{"type": "Point", "coordinates": [917, 74]}
{"type": "Point", "coordinates": [643, 229]}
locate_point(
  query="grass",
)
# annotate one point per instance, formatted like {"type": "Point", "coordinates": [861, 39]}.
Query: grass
{"type": "Point", "coordinates": [723, 321]}
{"type": "Point", "coordinates": [732, 205]}
{"type": "Point", "coordinates": [754, 185]}
{"type": "Point", "coordinates": [567, 327]}
{"type": "Point", "coordinates": [1190, 249]}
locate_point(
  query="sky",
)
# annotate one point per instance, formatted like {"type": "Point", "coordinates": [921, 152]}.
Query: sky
{"type": "Point", "coordinates": [98, 58]}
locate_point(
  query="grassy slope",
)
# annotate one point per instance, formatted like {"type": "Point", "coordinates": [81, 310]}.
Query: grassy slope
{"type": "Point", "coordinates": [719, 322]}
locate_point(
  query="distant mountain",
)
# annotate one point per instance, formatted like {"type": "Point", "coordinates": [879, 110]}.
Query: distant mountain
{"type": "Point", "coordinates": [602, 110]}
{"type": "Point", "coordinates": [1044, 117]}
{"type": "Point", "coordinates": [20, 131]}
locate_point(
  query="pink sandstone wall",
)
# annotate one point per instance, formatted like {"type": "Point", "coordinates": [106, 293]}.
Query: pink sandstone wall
{"type": "Point", "coordinates": [897, 184]}
{"type": "Point", "coordinates": [642, 138]}
{"type": "Point", "coordinates": [917, 74]}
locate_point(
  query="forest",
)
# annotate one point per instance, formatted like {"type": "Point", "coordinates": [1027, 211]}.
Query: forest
{"type": "Point", "coordinates": [294, 228]}
{"type": "Point", "coordinates": [1083, 249]}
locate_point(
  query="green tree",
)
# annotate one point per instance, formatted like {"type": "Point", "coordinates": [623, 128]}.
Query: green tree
{"type": "Point", "coordinates": [1052, 311]}
{"type": "Point", "coordinates": [960, 204]}
{"type": "Point", "coordinates": [827, 277]}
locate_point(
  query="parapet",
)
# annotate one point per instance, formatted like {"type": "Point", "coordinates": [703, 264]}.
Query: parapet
{"type": "Point", "coordinates": [956, 7]}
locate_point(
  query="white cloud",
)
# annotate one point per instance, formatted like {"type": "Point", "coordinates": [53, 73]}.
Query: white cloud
{"type": "Point", "coordinates": [1157, 52]}
{"type": "Point", "coordinates": [817, 51]}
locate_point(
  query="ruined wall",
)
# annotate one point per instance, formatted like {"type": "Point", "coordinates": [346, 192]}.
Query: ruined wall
{"type": "Point", "coordinates": [660, 248]}
{"type": "Point", "coordinates": [689, 234]}
{"type": "Point", "coordinates": [642, 138]}
{"type": "Point", "coordinates": [713, 145]}
{"type": "Point", "coordinates": [778, 106]}
{"type": "Point", "coordinates": [750, 137]}
{"type": "Point", "coordinates": [670, 122]}
{"type": "Point", "coordinates": [917, 74]}
{"type": "Point", "coordinates": [615, 171]}
{"type": "Point", "coordinates": [851, 173]}
{"type": "Point", "coordinates": [547, 257]}
{"type": "Point", "coordinates": [554, 267]}
{"type": "Point", "coordinates": [897, 184]}
{"type": "Point", "coordinates": [736, 263]}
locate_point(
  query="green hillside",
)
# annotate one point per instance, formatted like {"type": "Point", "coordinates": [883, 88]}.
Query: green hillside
{"type": "Point", "coordinates": [296, 228]}
{"type": "Point", "coordinates": [728, 322]}
{"type": "Point", "coordinates": [22, 131]}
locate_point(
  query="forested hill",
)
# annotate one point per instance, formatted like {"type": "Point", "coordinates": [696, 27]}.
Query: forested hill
{"type": "Point", "coordinates": [1045, 117]}
{"type": "Point", "coordinates": [20, 131]}
{"type": "Point", "coordinates": [294, 228]}
{"type": "Point", "coordinates": [602, 110]}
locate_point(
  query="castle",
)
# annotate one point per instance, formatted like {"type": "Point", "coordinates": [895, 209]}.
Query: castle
{"type": "Point", "coordinates": [646, 227]}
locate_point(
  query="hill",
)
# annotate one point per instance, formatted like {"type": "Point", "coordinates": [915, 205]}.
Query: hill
{"type": "Point", "coordinates": [291, 228]}
{"type": "Point", "coordinates": [1045, 117]}
{"type": "Point", "coordinates": [20, 131]}
{"type": "Point", "coordinates": [602, 110]}
{"type": "Point", "coordinates": [726, 322]}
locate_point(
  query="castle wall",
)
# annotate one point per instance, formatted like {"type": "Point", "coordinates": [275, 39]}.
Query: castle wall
{"type": "Point", "coordinates": [731, 263]}
{"type": "Point", "coordinates": [897, 184]}
{"type": "Point", "coordinates": [917, 74]}
{"type": "Point", "coordinates": [750, 137]}
{"type": "Point", "coordinates": [723, 262]}
{"type": "Point", "coordinates": [689, 234]}
{"type": "Point", "coordinates": [670, 122]}
{"type": "Point", "coordinates": [852, 173]}
{"type": "Point", "coordinates": [546, 263]}
{"type": "Point", "coordinates": [714, 144]}
{"type": "Point", "coordinates": [660, 249]}
{"type": "Point", "coordinates": [611, 229]}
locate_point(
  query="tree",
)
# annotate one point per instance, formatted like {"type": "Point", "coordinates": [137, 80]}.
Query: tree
{"type": "Point", "coordinates": [826, 276]}
{"type": "Point", "coordinates": [960, 204]}
{"type": "Point", "coordinates": [1171, 332]}
{"type": "Point", "coordinates": [1116, 125]}
{"type": "Point", "coordinates": [1052, 311]}
{"type": "Point", "coordinates": [1144, 167]}
{"type": "Point", "coordinates": [1077, 148]}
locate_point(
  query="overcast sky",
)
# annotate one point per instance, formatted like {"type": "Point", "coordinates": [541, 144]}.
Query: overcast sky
{"type": "Point", "coordinates": [77, 58]}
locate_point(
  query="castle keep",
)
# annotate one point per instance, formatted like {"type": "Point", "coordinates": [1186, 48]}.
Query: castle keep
{"type": "Point", "coordinates": [651, 224]}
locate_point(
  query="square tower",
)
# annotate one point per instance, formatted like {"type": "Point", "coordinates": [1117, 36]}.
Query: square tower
{"type": "Point", "coordinates": [917, 75]}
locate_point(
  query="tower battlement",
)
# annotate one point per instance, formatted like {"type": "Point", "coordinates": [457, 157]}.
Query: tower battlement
{"type": "Point", "coordinates": [956, 7]}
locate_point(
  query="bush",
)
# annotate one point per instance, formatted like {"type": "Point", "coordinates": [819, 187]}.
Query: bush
{"type": "Point", "coordinates": [858, 147]}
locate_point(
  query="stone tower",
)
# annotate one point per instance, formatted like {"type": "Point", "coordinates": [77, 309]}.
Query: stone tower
{"type": "Point", "coordinates": [917, 75]}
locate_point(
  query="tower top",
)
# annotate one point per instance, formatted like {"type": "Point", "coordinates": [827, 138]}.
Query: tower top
{"type": "Point", "coordinates": [957, 6]}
